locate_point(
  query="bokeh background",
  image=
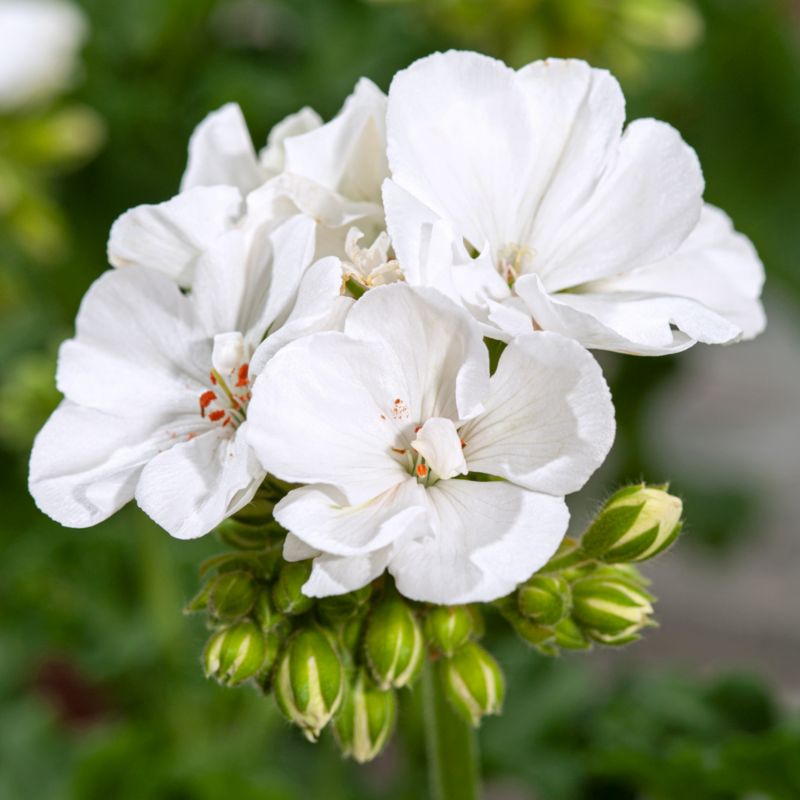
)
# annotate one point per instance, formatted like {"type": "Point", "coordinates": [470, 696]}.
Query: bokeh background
{"type": "Point", "coordinates": [101, 693]}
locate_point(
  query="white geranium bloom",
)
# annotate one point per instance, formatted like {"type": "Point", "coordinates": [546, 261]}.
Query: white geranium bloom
{"type": "Point", "coordinates": [39, 43]}
{"type": "Point", "coordinates": [388, 422]}
{"type": "Point", "coordinates": [157, 382]}
{"type": "Point", "coordinates": [519, 194]}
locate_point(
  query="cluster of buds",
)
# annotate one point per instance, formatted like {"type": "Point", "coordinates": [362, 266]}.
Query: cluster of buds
{"type": "Point", "coordinates": [590, 592]}
{"type": "Point", "coordinates": [341, 660]}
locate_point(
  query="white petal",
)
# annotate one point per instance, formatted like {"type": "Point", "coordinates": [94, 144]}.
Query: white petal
{"type": "Point", "coordinates": [348, 154]}
{"type": "Point", "coordinates": [548, 422]}
{"type": "Point", "coordinates": [85, 464]}
{"type": "Point", "coordinates": [322, 519]}
{"type": "Point", "coordinates": [320, 413]}
{"type": "Point", "coordinates": [273, 156]}
{"type": "Point", "coordinates": [643, 207]}
{"type": "Point", "coordinates": [716, 266]}
{"type": "Point", "coordinates": [439, 444]}
{"type": "Point", "coordinates": [488, 538]}
{"type": "Point", "coordinates": [250, 275]}
{"type": "Point", "coordinates": [137, 348]}
{"type": "Point", "coordinates": [171, 236]}
{"type": "Point", "coordinates": [625, 322]}
{"type": "Point", "coordinates": [191, 487]}
{"type": "Point", "coordinates": [221, 152]}
{"type": "Point", "coordinates": [431, 348]}
{"type": "Point", "coordinates": [332, 575]}
{"type": "Point", "coordinates": [319, 306]}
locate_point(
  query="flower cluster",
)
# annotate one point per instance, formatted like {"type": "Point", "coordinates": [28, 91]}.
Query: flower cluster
{"type": "Point", "coordinates": [386, 316]}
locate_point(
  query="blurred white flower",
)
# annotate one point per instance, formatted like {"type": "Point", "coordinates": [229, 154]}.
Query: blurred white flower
{"type": "Point", "coordinates": [39, 44]}
{"type": "Point", "coordinates": [157, 381]}
{"type": "Point", "coordinates": [389, 422]}
{"type": "Point", "coordinates": [518, 194]}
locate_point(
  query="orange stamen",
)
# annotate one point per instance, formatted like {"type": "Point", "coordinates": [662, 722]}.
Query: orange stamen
{"type": "Point", "coordinates": [422, 470]}
{"type": "Point", "coordinates": [216, 416]}
{"type": "Point", "coordinates": [243, 375]}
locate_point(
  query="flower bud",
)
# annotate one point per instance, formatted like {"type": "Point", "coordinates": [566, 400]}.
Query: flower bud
{"type": "Point", "coordinates": [611, 608]}
{"type": "Point", "coordinates": [393, 644]}
{"type": "Point", "coordinates": [263, 610]}
{"type": "Point", "coordinates": [448, 628]}
{"type": "Point", "coordinates": [637, 523]}
{"type": "Point", "coordinates": [473, 683]}
{"type": "Point", "coordinates": [309, 681]}
{"type": "Point", "coordinates": [366, 720]}
{"type": "Point", "coordinates": [273, 641]}
{"type": "Point", "coordinates": [234, 654]}
{"type": "Point", "coordinates": [232, 594]}
{"type": "Point", "coordinates": [245, 533]}
{"type": "Point", "coordinates": [544, 599]}
{"type": "Point", "coordinates": [287, 592]}
{"type": "Point", "coordinates": [569, 636]}
{"type": "Point", "coordinates": [342, 607]}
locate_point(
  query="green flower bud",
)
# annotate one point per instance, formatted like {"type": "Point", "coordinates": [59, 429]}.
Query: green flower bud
{"type": "Point", "coordinates": [366, 720]}
{"type": "Point", "coordinates": [473, 683]}
{"type": "Point", "coordinates": [393, 644]}
{"type": "Point", "coordinates": [287, 592]}
{"type": "Point", "coordinates": [340, 608]}
{"type": "Point", "coordinates": [245, 534]}
{"type": "Point", "coordinates": [569, 636]}
{"type": "Point", "coordinates": [544, 599]}
{"type": "Point", "coordinates": [637, 523]}
{"type": "Point", "coordinates": [448, 628]}
{"type": "Point", "coordinates": [264, 612]}
{"type": "Point", "coordinates": [309, 681]}
{"type": "Point", "coordinates": [200, 601]}
{"type": "Point", "coordinates": [273, 641]}
{"type": "Point", "coordinates": [611, 609]}
{"type": "Point", "coordinates": [232, 595]}
{"type": "Point", "coordinates": [234, 654]}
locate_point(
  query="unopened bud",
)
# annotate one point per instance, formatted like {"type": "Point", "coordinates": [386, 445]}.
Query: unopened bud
{"type": "Point", "coordinates": [569, 636]}
{"type": "Point", "coordinates": [232, 594]}
{"type": "Point", "coordinates": [264, 611]}
{"type": "Point", "coordinates": [246, 533]}
{"type": "Point", "coordinates": [234, 654]}
{"type": "Point", "coordinates": [342, 607]}
{"type": "Point", "coordinates": [448, 628]}
{"type": "Point", "coordinates": [611, 609]}
{"type": "Point", "coordinates": [393, 644]}
{"type": "Point", "coordinates": [287, 592]}
{"type": "Point", "coordinates": [309, 681]}
{"type": "Point", "coordinates": [273, 641]}
{"type": "Point", "coordinates": [637, 523]}
{"type": "Point", "coordinates": [473, 683]}
{"type": "Point", "coordinates": [366, 720]}
{"type": "Point", "coordinates": [544, 599]}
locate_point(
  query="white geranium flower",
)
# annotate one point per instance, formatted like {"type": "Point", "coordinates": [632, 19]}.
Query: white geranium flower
{"type": "Point", "coordinates": [157, 382]}
{"type": "Point", "coordinates": [330, 172]}
{"type": "Point", "coordinates": [395, 423]}
{"type": "Point", "coordinates": [39, 44]}
{"type": "Point", "coordinates": [519, 194]}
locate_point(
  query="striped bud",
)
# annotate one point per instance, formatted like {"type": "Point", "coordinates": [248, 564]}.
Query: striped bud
{"type": "Point", "coordinates": [234, 654]}
{"type": "Point", "coordinates": [611, 607]}
{"type": "Point", "coordinates": [232, 594]}
{"type": "Point", "coordinates": [473, 683]}
{"type": "Point", "coordinates": [447, 628]}
{"type": "Point", "coordinates": [309, 681]}
{"type": "Point", "coordinates": [544, 599]}
{"type": "Point", "coordinates": [637, 523]}
{"type": "Point", "coordinates": [366, 720]}
{"type": "Point", "coordinates": [287, 594]}
{"type": "Point", "coordinates": [393, 644]}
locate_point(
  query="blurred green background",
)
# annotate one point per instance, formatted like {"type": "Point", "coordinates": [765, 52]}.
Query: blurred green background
{"type": "Point", "coordinates": [100, 686]}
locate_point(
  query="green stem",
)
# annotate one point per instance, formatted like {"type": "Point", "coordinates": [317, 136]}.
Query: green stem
{"type": "Point", "coordinates": [450, 742]}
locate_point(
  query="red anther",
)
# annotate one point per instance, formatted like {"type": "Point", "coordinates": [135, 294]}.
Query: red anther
{"type": "Point", "coordinates": [207, 398]}
{"type": "Point", "coordinates": [227, 420]}
{"type": "Point", "coordinates": [399, 450]}
{"type": "Point", "coordinates": [213, 377]}
{"type": "Point", "coordinates": [216, 416]}
{"type": "Point", "coordinates": [242, 375]}
{"type": "Point", "coordinates": [418, 429]}
{"type": "Point", "coordinates": [463, 444]}
{"type": "Point", "coordinates": [422, 470]}
{"type": "Point", "coordinates": [398, 401]}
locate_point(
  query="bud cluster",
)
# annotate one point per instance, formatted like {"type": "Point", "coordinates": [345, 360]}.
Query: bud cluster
{"type": "Point", "coordinates": [590, 592]}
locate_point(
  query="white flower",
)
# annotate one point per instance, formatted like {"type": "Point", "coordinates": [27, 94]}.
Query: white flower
{"type": "Point", "coordinates": [330, 172]}
{"type": "Point", "coordinates": [39, 43]}
{"type": "Point", "coordinates": [519, 194]}
{"type": "Point", "coordinates": [157, 382]}
{"type": "Point", "coordinates": [389, 420]}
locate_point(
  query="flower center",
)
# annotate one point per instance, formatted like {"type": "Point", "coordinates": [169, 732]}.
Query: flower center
{"type": "Point", "coordinates": [513, 260]}
{"type": "Point", "coordinates": [225, 402]}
